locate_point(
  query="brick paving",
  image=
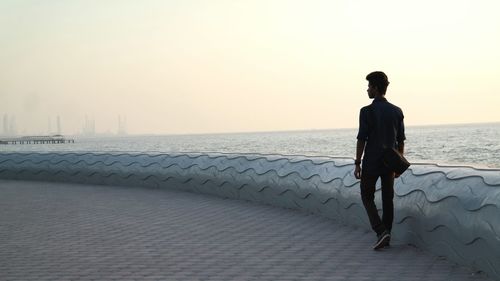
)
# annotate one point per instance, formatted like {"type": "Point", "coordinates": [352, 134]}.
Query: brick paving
{"type": "Point", "coordinates": [59, 231]}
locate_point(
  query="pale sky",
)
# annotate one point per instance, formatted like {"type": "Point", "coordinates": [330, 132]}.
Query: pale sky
{"type": "Point", "coordinates": [192, 66]}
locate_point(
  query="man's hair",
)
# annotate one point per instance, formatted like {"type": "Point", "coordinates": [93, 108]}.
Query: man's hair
{"type": "Point", "coordinates": [378, 79]}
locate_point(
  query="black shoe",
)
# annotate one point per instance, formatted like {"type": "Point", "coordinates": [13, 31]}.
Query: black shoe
{"type": "Point", "coordinates": [383, 240]}
{"type": "Point", "coordinates": [388, 242]}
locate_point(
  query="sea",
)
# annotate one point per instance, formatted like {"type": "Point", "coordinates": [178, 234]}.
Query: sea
{"type": "Point", "coordinates": [476, 145]}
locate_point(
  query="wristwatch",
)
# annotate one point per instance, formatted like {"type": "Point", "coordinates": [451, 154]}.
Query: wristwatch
{"type": "Point", "coordinates": [357, 162]}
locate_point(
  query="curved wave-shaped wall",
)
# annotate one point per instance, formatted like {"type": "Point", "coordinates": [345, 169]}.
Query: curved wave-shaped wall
{"type": "Point", "coordinates": [451, 211]}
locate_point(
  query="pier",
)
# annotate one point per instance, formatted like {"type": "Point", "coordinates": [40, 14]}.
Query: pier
{"type": "Point", "coordinates": [37, 140]}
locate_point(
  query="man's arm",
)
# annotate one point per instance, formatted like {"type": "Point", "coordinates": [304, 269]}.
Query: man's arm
{"type": "Point", "coordinates": [401, 147]}
{"type": "Point", "coordinates": [360, 147]}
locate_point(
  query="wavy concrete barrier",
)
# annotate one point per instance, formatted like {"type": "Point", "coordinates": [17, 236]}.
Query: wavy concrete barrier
{"type": "Point", "coordinates": [451, 211]}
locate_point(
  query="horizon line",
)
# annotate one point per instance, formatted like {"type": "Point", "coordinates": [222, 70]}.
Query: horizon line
{"type": "Point", "coordinates": [107, 134]}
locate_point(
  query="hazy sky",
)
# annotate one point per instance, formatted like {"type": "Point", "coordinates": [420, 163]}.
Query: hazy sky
{"type": "Point", "coordinates": [192, 66]}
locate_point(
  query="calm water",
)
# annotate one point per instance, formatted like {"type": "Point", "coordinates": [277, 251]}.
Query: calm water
{"type": "Point", "coordinates": [476, 145]}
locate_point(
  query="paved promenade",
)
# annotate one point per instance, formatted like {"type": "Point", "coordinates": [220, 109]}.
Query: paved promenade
{"type": "Point", "coordinates": [56, 231]}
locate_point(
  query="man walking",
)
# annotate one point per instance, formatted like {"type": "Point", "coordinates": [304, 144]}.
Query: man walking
{"type": "Point", "coordinates": [380, 126]}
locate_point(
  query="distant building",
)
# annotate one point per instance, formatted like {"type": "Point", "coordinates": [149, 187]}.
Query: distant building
{"type": "Point", "coordinates": [49, 131]}
{"type": "Point", "coordinates": [5, 124]}
{"type": "Point", "coordinates": [122, 125]}
{"type": "Point", "coordinates": [12, 126]}
{"type": "Point", "coordinates": [89, 127]}
{"type": "Point", "coordinates": [58, 120]}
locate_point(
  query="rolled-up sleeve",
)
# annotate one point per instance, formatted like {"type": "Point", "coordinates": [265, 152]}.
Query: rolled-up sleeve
{"type": "Point", "coordinates": [401, 130]}
{"type": "Point", "coordinates": [363, 125]}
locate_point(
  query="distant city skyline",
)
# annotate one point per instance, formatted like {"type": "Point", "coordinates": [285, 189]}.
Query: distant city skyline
{"type": "Point", "coordinates": [89, 127]}
{"type": "Point", "coordinates": [10, 127]}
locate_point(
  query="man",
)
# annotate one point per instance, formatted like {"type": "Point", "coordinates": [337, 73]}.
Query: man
{"type": "Point", "coordinates": [380, 126]}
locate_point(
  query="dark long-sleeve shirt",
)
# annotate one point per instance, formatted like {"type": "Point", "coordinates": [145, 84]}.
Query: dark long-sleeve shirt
{"type": "Point", "coordinates": [380, 125]}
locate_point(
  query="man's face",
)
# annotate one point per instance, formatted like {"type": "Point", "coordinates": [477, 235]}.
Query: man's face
{"type": "Point", "coordinates": [371, 91]}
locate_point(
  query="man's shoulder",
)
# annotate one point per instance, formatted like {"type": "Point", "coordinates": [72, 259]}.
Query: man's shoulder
{"type": "Point", "coordinates": [395, 107]}
{"type": "Point", "coordinates": [365, 108]}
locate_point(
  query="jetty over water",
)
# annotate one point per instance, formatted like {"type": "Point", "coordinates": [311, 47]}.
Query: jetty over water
{"type": "Point", "coordinates": [37, 140]}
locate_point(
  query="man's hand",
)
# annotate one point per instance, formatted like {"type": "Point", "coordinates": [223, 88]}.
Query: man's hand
{"type": "Point", "coordinates": [360, 147]}
{"type": "Point", "coordinates": [357, 172]}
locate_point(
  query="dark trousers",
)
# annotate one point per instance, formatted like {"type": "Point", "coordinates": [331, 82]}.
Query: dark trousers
{"type": "Point", "coordinates": [368, 197]}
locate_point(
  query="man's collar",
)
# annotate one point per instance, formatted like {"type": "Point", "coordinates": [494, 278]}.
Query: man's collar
{"type": "Point", "coordinates": [379, 99]}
